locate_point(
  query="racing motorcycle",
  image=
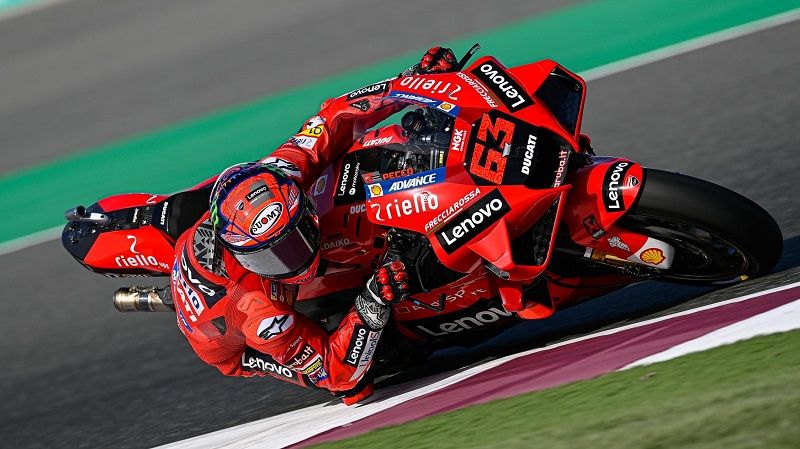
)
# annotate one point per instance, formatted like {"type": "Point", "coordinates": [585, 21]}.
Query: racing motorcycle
{"type": "Point", "coordinates": [494, 198]}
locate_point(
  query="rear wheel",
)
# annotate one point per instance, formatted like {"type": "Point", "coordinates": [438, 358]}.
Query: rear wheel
{"type": "Point", "coordinates": [719, 236]}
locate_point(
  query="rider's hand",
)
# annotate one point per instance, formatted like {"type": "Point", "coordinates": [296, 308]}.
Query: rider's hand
{"type": "Point", "coordinates": [437, 60]}
{"type": "Point", "coordinates": [389, 285]}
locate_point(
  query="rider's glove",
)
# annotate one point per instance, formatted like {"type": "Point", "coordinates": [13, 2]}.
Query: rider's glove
{"type": "Point", "coordinates": [436, 60]}
{"type": "Point", "coordinates": [389, 285]}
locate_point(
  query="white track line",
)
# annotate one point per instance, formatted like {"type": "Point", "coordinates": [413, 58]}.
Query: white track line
{"type": "Point", "coordinates": [780, 319]}
{"type": "Point", "coordinates": [589, 75]}
{"type": "Point", "coordinates": [298, 425]}
{"type": "Point", "coordinates": [691, 45]}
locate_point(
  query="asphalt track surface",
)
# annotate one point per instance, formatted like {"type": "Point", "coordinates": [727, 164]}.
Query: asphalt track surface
{"type": "Point", "coordinates": [77, 373]}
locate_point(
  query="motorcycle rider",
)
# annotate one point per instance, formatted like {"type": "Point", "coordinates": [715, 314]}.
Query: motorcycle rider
{"type": "Point", "coordinates": [237, 270]}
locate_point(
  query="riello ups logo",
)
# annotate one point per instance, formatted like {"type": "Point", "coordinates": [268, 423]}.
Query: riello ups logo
{"type": "Point", "coordinates": [476, 219]}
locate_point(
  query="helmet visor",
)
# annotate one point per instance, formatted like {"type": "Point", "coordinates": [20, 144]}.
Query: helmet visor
{"type": "Point", "coordinates": [287, 257]}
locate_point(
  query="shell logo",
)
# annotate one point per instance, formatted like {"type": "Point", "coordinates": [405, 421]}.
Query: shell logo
{"type": "Point", "coordinates": [652, 256]}
{"type": "Point", "coordinates": [376, 190]}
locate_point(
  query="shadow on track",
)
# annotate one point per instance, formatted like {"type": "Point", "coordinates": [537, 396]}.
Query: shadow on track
{"type": "Point", "coordinates": [629, 305]}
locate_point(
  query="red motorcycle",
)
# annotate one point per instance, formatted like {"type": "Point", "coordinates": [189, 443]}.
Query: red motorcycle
{"type": "Point", "coordinates": [494, 198]}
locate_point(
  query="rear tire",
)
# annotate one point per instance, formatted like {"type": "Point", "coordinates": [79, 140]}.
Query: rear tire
{"type": "Point", "coordinates": [719, 236]}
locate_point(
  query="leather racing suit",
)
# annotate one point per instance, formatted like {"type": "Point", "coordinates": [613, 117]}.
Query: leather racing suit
{"type": "Point", "coordinates": [246, 325]}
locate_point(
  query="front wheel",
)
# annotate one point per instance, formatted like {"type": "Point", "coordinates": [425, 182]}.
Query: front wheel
{"type": "Point", "coordinates": [719, 236]}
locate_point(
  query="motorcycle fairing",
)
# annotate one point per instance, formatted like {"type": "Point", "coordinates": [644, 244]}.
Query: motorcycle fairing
{"type": "Point", "coordinates": [603, 191]}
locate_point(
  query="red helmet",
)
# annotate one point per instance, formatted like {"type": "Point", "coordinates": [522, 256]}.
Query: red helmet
{"type": "Point", "coordinates": [263, 218]}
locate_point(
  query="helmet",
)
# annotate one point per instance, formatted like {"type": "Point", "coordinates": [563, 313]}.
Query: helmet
{"type": "Point", "coordinates": [263, 218]}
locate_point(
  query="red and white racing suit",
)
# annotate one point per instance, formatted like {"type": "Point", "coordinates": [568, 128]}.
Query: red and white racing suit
{"type": "Point", "coordinates": [246, 325]}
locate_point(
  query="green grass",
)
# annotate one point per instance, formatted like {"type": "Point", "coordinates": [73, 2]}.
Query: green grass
{"type": "Point", "coordinates": [745, 395]}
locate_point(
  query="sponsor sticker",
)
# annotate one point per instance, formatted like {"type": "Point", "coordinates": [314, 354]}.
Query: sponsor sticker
{"type": "Point", "coordinates": [631, 181]}
{"type": "Point", "coordinates": [374, 190]}
{"type": "Point", "coordinates": [137, 259]}
{"type": "Point", "coordinates": [431, 86]}
{"type": "Point", "coordinates": [397, 174]}
{"type": "Point", "coordinates": [319, 186]}
{"type": "Point", "coordinates": [500, 82]}
{"type": "Point", "coordinates": [653, 256]}
{"type": "Point", "coordinates": [457, 139]}
{"type": "Point", "coordinates": [285, 166]}
{"type": "Point", "coordinates": [333, 244]}
{"type": "Point", "coordinates": [357, 344]}
{"type": "Point", "coordinates": [273, 326]}
{"type": "Point", "coordinates": [300, 359]}
{"type": "Point", "coordinates": [413, 97]}
{"type": "Point", "coordinates": [266, 219]}
{"type": "Point", "coordinates": [592, 227]}
{"type": "Point", "coordinates": [304, 142]}
{"type": "Point", "coordinates": [372, 89]}
{"type": "Point", "coordinates": [315, 365]}
{"type": "Point", "coordinates": [469, 321]}
{"type": "Point", "coordinates": [480, 89]}
{"type": "Point", "coordinates": [454, 208]}
{"type": "Point", "coordinates": [475, 219]}
{"type": "Point", "coordinates": [192, 292]}
{"type": "Point", "coordinates": [378, 141]}
{"type": "Point", "coordinates": [612, 186]}
{"type": "Point", "coordinates": [349, 186]}
{"type": "Point", "coordinates": [362, 105]}
{"type": "Point", "coordinates": [407, 182]}
{"type": "Point", "coordinates": [259, 362]}
{"type": "Point", "coordinates": [447, 107]}
{"type": "Point", "coordinates": [561, 170]}
{"type": "Point", "coordinates": [358, 208]}
{"type": "Point", "coordinates": [397, 208]}
{"type": "Point", "coordinates": [616, 242]}
{"type": "Point", "coordinates": [250, 196]}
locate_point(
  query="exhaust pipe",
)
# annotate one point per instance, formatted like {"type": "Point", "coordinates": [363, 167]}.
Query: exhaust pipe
{"type": "Point", "coordinates": [143, 299]}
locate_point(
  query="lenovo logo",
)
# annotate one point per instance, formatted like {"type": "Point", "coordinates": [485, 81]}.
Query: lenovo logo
{"type": "Point", "coordinates": [480, 319]}
{"type": "Point", "coordinates": [511, 94]}
{"type": "Point", "coordinates": [612, 192]}
{"type": "Point", "coordinates": [356, 347]}
{"type": "Point", "coordinates": [477, 218]}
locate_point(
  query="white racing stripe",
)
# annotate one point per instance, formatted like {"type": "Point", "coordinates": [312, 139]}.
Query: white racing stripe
{"type": "Point", "coordinates": [691, 45]}
{"type": "Point", "coordinates": [298, 425]}
{"type": "Point", "coordinates": [588, 75]}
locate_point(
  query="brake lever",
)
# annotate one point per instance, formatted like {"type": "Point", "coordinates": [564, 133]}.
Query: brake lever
{"type": "Point", "coordinates": [467, 56]}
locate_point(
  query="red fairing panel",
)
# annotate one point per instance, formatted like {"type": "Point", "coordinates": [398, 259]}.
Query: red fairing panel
{"type": "Point", "coordinates": [144, 248]}
{"type": "Point", "coordinates": [601, 193]}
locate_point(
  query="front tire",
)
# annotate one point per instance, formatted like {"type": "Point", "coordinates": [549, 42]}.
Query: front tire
{"type": "Point", "coordinates": [719, 236]}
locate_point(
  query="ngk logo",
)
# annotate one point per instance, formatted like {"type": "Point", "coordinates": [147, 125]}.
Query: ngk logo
{"type": "Point", "coordinates": [457, 142]}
